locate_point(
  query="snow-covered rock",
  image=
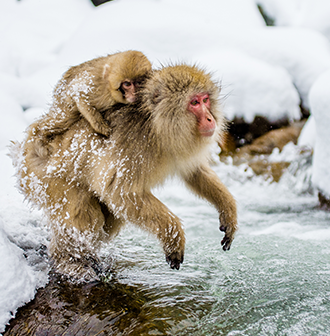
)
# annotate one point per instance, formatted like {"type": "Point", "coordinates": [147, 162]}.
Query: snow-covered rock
{"type": "Point", "coordinates": [18, 280]}
{"type": "Point", "coordinates": [304, 53]}
{"type": "Point", "coordinates": [320, 104]}
{"type": "Point", "coordinates": [308, 134]}
{"type": "Point", "coordinates": [252, 87]}
{"type": "Point", "coordinates": [312, 14]}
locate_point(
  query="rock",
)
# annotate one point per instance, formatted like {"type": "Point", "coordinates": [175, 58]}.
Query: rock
{"type": "Point", "coordinates": [99, 2]}
{"type": "Point", "coordinates": [256, 154]}
{"type": "Point", "coordinates": [63, 308]}
{"type": "Point", "coordinates": [273, 170]}
{"type": "Point", "coordinates": [324, 202]}
{"type": "Point", "coordinates": [266, 143]}
{"type": "Point", "coordinates": [105, 308]}
{"type": "Point", "coordinates": [244, 133]}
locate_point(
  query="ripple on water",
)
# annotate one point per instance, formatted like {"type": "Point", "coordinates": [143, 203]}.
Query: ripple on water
{"type": "Point", "coordinates": [275, 280]}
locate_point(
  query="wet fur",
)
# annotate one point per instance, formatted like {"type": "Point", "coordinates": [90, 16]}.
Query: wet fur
{"type": "Point", "coordinates": [90, 186]}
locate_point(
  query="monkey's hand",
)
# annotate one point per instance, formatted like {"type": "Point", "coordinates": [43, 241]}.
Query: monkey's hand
{"type": "Point", "coordinates": [107, 133]}
{"type": "Point", "coordinates": [175, 259]}
{"type": "Point", "coordinates": [229, 226]}
{"type": "Point", "coordinates": [103, 129]}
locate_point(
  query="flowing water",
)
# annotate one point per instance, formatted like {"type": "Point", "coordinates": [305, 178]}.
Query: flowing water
{"type": "Point", "coordinates": [275, 280]}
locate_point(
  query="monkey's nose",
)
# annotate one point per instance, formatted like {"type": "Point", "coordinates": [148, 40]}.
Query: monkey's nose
{"type": "Point", "coordinates": [207, 125]}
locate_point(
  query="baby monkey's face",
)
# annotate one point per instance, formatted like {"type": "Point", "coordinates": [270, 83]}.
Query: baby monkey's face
{"type": "Point", "coordinates": [129, 88]}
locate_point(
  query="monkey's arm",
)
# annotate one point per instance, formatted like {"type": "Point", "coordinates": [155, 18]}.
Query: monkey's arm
{"type": "Point", "coordinates": [94, 117]}
{"type": "Point", "coordinates": [205, 183]}
{"type": "Point", "coordinates": [146, 211]}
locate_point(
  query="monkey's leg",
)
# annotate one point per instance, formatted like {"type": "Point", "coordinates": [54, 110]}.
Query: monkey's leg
{"type": "Point", "coordinates": [150, 214]}
{"type": "Point", "coordinates": [77, 228]}
{"type": "Point", "coordinates": [205, 183]}
{"type": "Point", "coordinates": [112, 224]}
{"type": "Point", "coordinates": [94, 117]}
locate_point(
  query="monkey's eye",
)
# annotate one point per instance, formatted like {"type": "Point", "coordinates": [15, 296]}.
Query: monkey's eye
{"type": "Point", "coordinates": [205, 100]}
{"type": "Point", "coordinates": [194, 102]}
{"type": "Point", "coordinates": [127, 84]}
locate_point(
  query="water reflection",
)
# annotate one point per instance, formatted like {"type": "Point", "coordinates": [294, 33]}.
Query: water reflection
{"type": "Point", "coordinates": [109, 308]}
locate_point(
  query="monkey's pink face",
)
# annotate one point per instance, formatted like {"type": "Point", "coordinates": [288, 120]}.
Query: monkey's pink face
{"type": "Point", "coordinates": [200, 106]}
{"type": "Point", "coordinates": [129, 90]}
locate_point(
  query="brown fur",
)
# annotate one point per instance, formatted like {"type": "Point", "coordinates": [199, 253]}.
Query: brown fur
{"type": "Point", "coordinates": [89, 89]}
{"type": "Point", "coordinates": [89, 185]}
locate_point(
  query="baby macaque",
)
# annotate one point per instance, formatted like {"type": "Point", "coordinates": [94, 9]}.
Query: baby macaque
{"type": "Point", "coordinates": [91, 88]}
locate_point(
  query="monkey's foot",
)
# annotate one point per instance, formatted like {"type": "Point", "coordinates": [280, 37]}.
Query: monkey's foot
{"type": "Point", "coordinates": [227, 239]}
{"type": "Point", "coordinates": [175, 259]}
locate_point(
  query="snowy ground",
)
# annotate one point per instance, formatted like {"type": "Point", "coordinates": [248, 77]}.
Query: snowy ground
{"type": "Point", "coordinates": [263, 71]}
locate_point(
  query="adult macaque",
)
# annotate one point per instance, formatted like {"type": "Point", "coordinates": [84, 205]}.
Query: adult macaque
{"type": "Point", "coordinates": [89, 185]}
{"type": "Point", "coordinates": [91, 88]}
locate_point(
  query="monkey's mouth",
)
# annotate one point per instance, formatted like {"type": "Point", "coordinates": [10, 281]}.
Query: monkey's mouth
{"type": "Point", "coordinates": [207, 133]}
{"type": "Point", "coordinates": [130, 99]}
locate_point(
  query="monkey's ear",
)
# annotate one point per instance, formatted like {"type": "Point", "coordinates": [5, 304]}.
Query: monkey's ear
{"type": "Point", "coordinates": [156, 98]}
{"type": "Point", "coordinates": [106, 71]}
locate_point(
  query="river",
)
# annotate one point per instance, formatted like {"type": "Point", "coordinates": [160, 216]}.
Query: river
{"type": "Point", "coordinates": [275, 280]}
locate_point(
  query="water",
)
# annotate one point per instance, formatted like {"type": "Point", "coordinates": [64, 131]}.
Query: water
{"type": "Point", "coordinates": [275, 280]}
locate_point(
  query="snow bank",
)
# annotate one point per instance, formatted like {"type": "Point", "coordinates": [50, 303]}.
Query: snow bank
{"type": "Point", "coordinates": [253, 87]}
{"type": "Point", "coordinates": [33, 27]}
{"type": "Point", "coordinates": [31, 34]}
{"type": "Point", "coordinates": [320, 104]}
{"type": "Point", "coordinates": [166, 31]}
{"type": "Point", "coordinates": [24, 91]}
{"type": "Point", "coordinates": [264, 57]}
{"type": "Point", "coordinates": [308, 134]}
{"type": "Point", "coordinates": [21, 268]}
{"type": "Point", "coordinates": [18, 280]}
{"type": "Point", "coordinates": [312, 14]}
{"type": "Point", "coordinates": [12, 124]}
{"type": "Point", "coordinates": [305, 54]}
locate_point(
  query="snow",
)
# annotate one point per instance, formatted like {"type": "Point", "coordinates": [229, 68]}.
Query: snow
{"type": "Point", "coordinates": [263, 71]}
{"type": "Point", "coordinates": [13, 267]}
{"type": "Point", "coordinates": [21, 269]}
{"type": "Point", "coordinates": [320, 103]}
{"type": "Point", "coordinates": [12, 124]}
{"type": "Point", "coordinates": [312, 14]}
{"type": "Point", "coordinates": [248, 93]}
{"type": "Point", "coordinates": [308, 134]}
